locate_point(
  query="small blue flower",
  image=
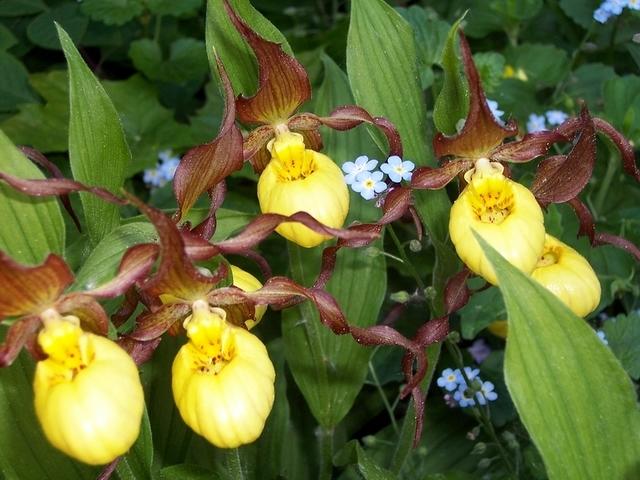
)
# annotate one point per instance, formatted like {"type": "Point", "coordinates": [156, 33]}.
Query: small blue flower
{"type": "Point", "coordinates": [602, 336]}
{"type": "Point", "coordinates": [613, 6]}
{"type": "Point", "coordinates": [472, 374]}
{"type": "Point", "coordinates": [397, 169]}
{"type": "Point", "coordinates": [486, 393]}
{"type": "Point", "coordinates": [536, 123]}
{"type": "Point", "coordinates": [496, 112]}
{"type": "Point", "coordinates": [449, 379]}
{"type": "Point", "coordinates": [168, 168]}
{"type": "Point", "coordinates": [165, 155]}
{"type": "Point", "coordinates": [633, 4]}
{"type": "Point", "coordinates": [352, 169]}
{"type": "Point", "coordinates": [153, 178]}
{"type": "Point", "coordinates": [368, 184]}
{"type": "Point", "coordinates": [464, 397]}
{"type": "Point", "coordinates": [479, 350]}
{"type": "Point", "coordinates": [556, 117]}
{"type": "Point", "coordinates": [601, 15]}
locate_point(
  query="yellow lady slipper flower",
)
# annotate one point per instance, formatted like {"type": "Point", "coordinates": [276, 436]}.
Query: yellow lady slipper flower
{"type": "Point", "coordinates": [299, 179]}
{"type": "Point", "coordinates": [223, 379]}
{"type": "Point", "coordinates": [569, 276]}
{"type": "Point", "coordinates": [247, 282]}
{"type": "Point", "coordinates": [88, 396]}
{"type": "Point", "coordinates": [504, 213]}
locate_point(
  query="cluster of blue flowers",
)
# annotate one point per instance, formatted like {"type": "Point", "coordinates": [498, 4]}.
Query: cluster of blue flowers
{"type": "Point", "coordinates": [164, 171]}
{"type": "Point", "coordinates": [552, 118]}
{"type": "Point", "coordinates": [368, 183]}
{"type": "Point", "coordinates": [463, 395]}
{"type": "Point", "coordinates": [613, 8]}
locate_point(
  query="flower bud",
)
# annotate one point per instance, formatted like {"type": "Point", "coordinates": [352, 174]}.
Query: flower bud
{"type": "Point", "coordinates": [569, 276]}
{"type": "Point", "coordinates": [223, 379]}
{"type": "Point", "coordinates": [88, 396]}
{"type": "Point", "coordinates": [301, 180]}
{"type": "Point", "coordinates": [247, 282]}
{"type": "Point", "coordinates": [500, 328]}
{"type": "Point", "coordinates": [504, 213]}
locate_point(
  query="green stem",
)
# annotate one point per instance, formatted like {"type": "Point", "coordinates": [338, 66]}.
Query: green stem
{"type": "Point", "coordinates": [482, 415]}
{"type": "Point", "coordinates": [405, 259]}
{"type": "Point", "coordinates": [158, 27]}
{"type": "Point", "coordinates": [325, 441]}
{"type": "Point", "coordinates": [385, 400]}
{"type": "Point", "coordinates": [601, 196]}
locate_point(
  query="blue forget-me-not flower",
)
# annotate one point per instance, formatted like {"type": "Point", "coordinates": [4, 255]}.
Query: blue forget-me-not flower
{"type": "Point", "coordinates": [397, 169]}
{"type": "Point", "coordinates": [368, 184]}
{"type": "Point", "coordinates": [353, 169]}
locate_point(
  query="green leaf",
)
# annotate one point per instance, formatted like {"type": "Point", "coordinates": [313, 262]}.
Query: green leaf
{"type": "Point", "coordinates": [545, 65]}
{"type": "Point", "coordinates": [580, 11]}
{"type": "Point", "coordinates": [430, 35]}
{"type": "Point", "coordinates": [573, 396]}
{"type": "Point", "coordinates": [490, 66]}
{"type": "Point", "coordinates": [185, 472]}
{"type": "Point", "coordinates": [113, 12]}
{"type": "Point", "coordinates": [25, 453]}
{"type": "Point", "coordinates": [31, 227]}
{"type": "Point", "coordinates": [7, 38]}
{"type": "Point", "coordinates": [151, 128]}
{"type": "Point", "coordinates": [381, 63]}
{"type": "Point", "coordinates": [136, 464]}
{"type": "Point", "coordinates": [14, 83]}
{"type": "Point", "coordinates": [331, 370]}
{"type": "Point", "coordinates": [623, 335]}
{"type": "Point", "coordinates": [42, 31]}
{"type": "Point", "coordinates": [102, 264]}
{"type": "Point", "coordinates": [622, 104]}
{"type": "Point", "coordinates": [223, 39]}
{"type": "Point", "coordinates": [17, 8]}
{"type": "Point", "coordinates": [173, 8]}
{"type": "Point", "coordinates": [186, 62]}
{"type": "Point", "coordinates": [586, 82]}
{"type": "Point", "coordinates": [98, 151]}
{"type": "Point", "coordinates": [483, 308]}
{"type": "Point", "coordinates": [352, 452]}
{"type": "Point", "coordinates": [452, 103]}
{"type": "Point", "coordinates": [44, 127]}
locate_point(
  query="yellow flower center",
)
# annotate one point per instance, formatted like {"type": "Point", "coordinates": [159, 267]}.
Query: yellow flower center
{"type": "Point", "coordinates": [550, 256]}
{"type": "Point", "coordinates": [210, 337]}
{"type": "Point", "coordinates": [491, 194]}
{"type": "Point", "coordinates": [68, 348]}
{"type": "Point", "coordinates": [292, 161]}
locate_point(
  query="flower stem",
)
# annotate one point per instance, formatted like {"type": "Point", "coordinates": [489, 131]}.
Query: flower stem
{"type": "Point", "coordinates": [325, 441]}
{"type": "Point", "coordinates": [405, 259]}
{"type": "Point", "coordinates": [601, 196]}
{"type": "Point", "coordinates": [481, 414]}
{"type": "Point", "coordinates": [385, 400]}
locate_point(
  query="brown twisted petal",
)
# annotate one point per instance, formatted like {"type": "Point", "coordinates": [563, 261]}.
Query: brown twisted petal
{"type": "Point", "coordinates": [204, 166]}
{"type": "Point", "coordinates": [558, 181]}
{"type": "Point", "coordinates": [283, 82]}
{"type": "Point", "coordinates": [481, 132]}
{"type": "Point", "coordinates": [27, 289]}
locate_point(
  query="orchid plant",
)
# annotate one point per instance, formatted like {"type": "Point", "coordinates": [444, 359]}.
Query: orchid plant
{"type": "Point", "coordinates": [173, 304]}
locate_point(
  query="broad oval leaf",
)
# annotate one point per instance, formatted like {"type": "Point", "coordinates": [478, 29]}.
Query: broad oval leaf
{"type": "Point", "coordinates": [381, 61]}
{"type": "Point", "coordinates": [31, 227]}
{"type": "Point", "coordinates": [98, 151]}
{"type": "Point", "coordinates": [330, 370]}
{"type": "Point", "coordinates": [572, 394]}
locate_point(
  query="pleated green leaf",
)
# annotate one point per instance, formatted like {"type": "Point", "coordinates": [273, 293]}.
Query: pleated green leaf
{"type": "Point", "coordinates": [331, 370]}
{"type": "Point", "coordinates": [452, 102]}
{"type": "Point", "coordinates": [31, 227]}
{"type": "Point", "coordinates": [382, 68]}
{"type": "Point", "coordinates": [223, 39]}
{"type": "Point", "coordinates": [98, 151]}
{"type": "Point", "coordinates": [572, 394]}
{"type": "Point", "coordinates": [136, 464]}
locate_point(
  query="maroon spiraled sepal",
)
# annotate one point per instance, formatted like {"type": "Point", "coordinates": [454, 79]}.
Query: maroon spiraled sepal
{"type": "Point", "coordinates": [283, 81]}
{"type": "Point", "coordinates": [561, 178]}
{"type": "Point", "coordinates": [203, 167]}
{"type": "Point", "coordinates": [481, 132]}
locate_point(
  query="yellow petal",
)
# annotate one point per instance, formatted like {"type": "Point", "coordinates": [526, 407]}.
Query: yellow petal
{"type": "Point", "coordinates": [247, 282]}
